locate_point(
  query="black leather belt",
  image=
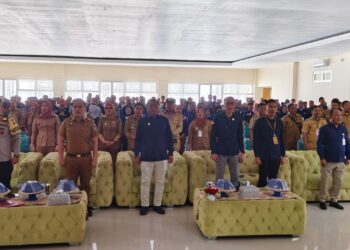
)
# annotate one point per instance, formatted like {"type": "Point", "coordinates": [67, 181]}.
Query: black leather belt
{"type": "Point", "coordinates": [78, 155]}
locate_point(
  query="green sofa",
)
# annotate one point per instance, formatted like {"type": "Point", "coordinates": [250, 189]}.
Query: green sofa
{"type": "Point", "coordinates": [26, 169]}
{"type": "Point", "coordinates": [202, 168]}
{"type": "Point", "coordinates": [306, 175]}
{"type": "Point", "coordinates": [101, 193]}
{"type": "Point", "coordinates": [128, 181]}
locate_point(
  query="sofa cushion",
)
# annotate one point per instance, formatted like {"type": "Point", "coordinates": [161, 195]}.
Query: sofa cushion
{"type": "Point", "coordinates": [136, 185]}
{"type": "Point", "coordinates": [313, 181]}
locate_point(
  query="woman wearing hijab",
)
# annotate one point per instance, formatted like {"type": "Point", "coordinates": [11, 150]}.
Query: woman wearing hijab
{"type": "Point", "coordinates": [110, 131]}
{"type": "Point", "coordinates": [45, 130]}
{"type": "Point", "coordinates": [199, 132]}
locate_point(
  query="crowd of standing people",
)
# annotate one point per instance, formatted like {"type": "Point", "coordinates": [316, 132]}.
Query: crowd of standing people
{"type": "Point", "coordinates": [155, 129]}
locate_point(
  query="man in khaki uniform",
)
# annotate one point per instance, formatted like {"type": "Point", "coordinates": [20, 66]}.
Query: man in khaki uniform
{"type": "Point", "coordinates": [346, 115]}
{"type": "Point", "coordinates": [293, 123]}
{"type": "Point", "coordinates": [175, 120]}
{"type": "Point", "coordinates": [131, 126]}
{"type": "Point", "coordinates": [335, 105]}
{"type": "Point", "coordinates": [261, 113]}
{"type": "Point", "coordinates": [311, 128]}
{"type": "Point", "coordinates": [81, 138]}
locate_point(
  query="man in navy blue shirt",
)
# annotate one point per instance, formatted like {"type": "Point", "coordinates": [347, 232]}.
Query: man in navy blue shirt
{"type": "Point", "coordinates": [226, 141]}
{"type": "Point", "coordinates": [154, 149]}
{"type": "Point", "coordinates": [334, 150]}
{"type": "Point", "coordinates": [268, 144]}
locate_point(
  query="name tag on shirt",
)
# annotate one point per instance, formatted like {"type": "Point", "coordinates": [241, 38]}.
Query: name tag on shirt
{"type": "Point", "coordinates": [317, 132]}
{"type": "Point", "coordinates": [343, 140]}
{"type": "Point", "coordinates": [275, 140]}
{"type": "Point", "coordinates": [200, 133]}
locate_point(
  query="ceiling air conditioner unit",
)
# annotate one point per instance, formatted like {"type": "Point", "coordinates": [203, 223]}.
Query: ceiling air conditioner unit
{"type": "Point", "coordinates": [321, 63]}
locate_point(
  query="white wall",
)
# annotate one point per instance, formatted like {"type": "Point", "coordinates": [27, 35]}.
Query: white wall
{"type": "Point", "coordinates": [339, 87]}
{"type": "Point", "coordinates": [280, 78]}
{"type": "Point", "coordinates": [162, 75]}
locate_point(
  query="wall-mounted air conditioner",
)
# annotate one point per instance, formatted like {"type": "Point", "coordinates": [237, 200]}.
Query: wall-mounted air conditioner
{"type": "Point", "coordinates": [321, 63]}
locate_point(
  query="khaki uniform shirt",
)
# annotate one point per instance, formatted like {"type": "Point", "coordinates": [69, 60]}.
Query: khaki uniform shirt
{"type": "Point", "coordinates": [130, 130]}
{"type": "Point", "coordinates": [292, 128]}
{"type": "Point", "coordinates": [311, 127]}
{"type": "Point", "coordinates": [199, 137]}
{"type": "Point", "coordinates": [45, 131]}
{"type": "Point", "coordinates": [110, 129]}
{"type": "Point", "coordinates": [346, 121]}
{"type": "Point", "coordinates": [78, 135]}
{"type": "Point", "coordinates": [176, 125]}
{"type": "Point", "coordinates": [326, 114]}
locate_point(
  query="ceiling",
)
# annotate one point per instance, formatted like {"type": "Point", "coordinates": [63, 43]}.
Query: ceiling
{"type": "Point", "coordinates": [184, 30]}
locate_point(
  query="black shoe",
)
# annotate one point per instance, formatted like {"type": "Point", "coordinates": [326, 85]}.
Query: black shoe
{"type": "Point", "coordinates": [89, 211]}
{"type": "Point", "coordinates": [144, 210]}
{"type": "Point", "coordinates": [10, 195]}
{"type": "Point", "coordinates": [323, 205]}
{"type": "Point", "coordinates": [336, 205]}
{"type": "Point", "coordinates": [159, 210]}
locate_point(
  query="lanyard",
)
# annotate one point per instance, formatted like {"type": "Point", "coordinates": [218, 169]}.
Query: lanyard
{"type": "Point", "coordinates": [274, 126]}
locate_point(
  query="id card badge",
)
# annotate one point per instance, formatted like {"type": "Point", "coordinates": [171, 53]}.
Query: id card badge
{"type": "Point", "coordinates": [343, 140]}
{"type": "Point", "coordinates": [317, 132]}
{"type": "Point", "coordinates": [200, 133]}
{"type": "Point", "coordinates": [275, 140]}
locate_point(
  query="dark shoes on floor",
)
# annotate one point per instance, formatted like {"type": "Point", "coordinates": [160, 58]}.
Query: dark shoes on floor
{"type": "Point", "coordinates": [336, 205]}
{"type": "Point", "coordinates": [89, 211]}
{"type": "Point", "coordinates": [323, 205]}
{"type": "Point", "coordinates": [158, 209]}
{"type": "Point", "coordinates": [144, 210]}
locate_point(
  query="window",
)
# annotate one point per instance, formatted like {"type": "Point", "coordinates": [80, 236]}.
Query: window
{"type": "Point", "coordinates": [35, 88]}
{"type": "Point", "coordinates": [238, 91]}
{"type": "Point", "coordinates": [81, 89]}
{"type": "Point", "coordinates": [322, 76]}
{"type": "Point", "coordinates": [183, 90]}
{"type": "Point", "coordinates": [10, 88]}
{"type": "Point", "coordinates": [1, 87]}
{"type": "Point", "coordinates": [196, 90]}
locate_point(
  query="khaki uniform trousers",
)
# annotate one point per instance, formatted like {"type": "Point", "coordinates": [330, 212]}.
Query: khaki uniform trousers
{"type": "Point", "coordinates": [336, 171]}
{"type": "Point", "coordinates": [147, 168]}
{"type": "Point", "coordinates": [79, 167]}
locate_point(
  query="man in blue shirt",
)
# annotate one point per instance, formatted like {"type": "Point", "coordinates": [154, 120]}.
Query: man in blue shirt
{"type": "Point", "coordinates": [226, 141]}
{"type": "Point", "coordinates": [268, 144]}
{"type": "Point", "coordinates": [154, 149]}
{"type": "Point", "coordinates": [334, 150]}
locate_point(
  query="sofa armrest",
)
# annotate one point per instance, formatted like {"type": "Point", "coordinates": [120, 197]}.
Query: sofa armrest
{"type": "Point", "coordinates": [197, 172]}
{"type": "Point", "coordinates": [29, 167]}
{"type": "Point", "coordinates": [178, 176]}
{"type": "Point", "coordinates": [15, 173]}
{"type": "Point", "coordinates": [103, 176]}
{"type": "Point", "coordinates": [123, 176]}
{"type": "Point", "coordinates": [50, 170]}
{"type": "Point", "coordinates": [298, 173]}
{"type": "Point", "coordinates": [285, 172]}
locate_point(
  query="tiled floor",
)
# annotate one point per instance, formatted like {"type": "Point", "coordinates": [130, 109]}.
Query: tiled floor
{"type": "Point", "coordinates": [124, 229]}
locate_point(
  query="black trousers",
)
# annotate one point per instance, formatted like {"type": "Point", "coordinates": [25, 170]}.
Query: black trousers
{"type": "Point", "coordinates": [268, 170]}
{"type": "Point", "coordinates": [5, 173]}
